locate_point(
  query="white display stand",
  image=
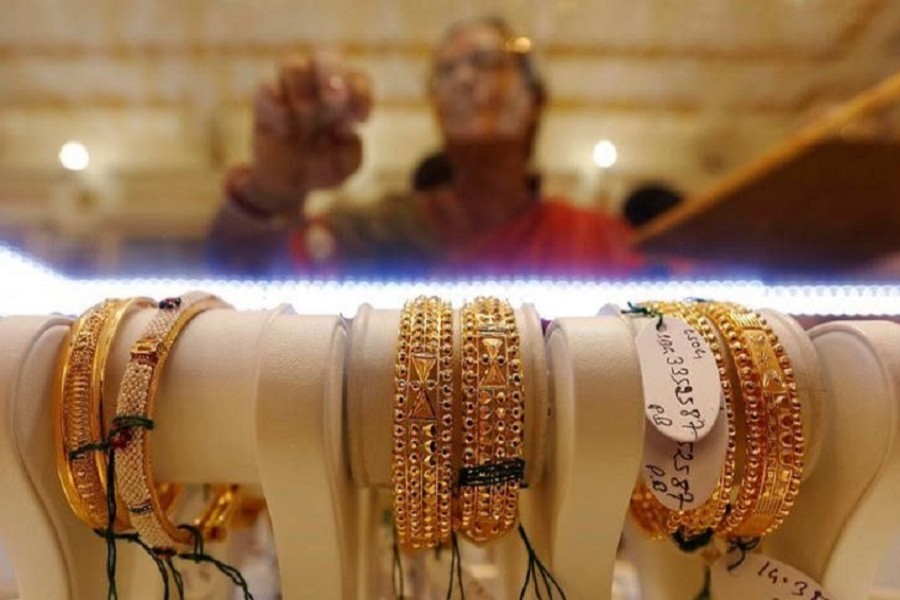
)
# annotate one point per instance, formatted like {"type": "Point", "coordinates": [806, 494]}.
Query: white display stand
{"type": "Point", "coordinates": [259, 398]}
{"type": "Point", "coordinates": [846, 516]}
{"type": "Point", "coordinates": [249, 398]}
{"type": "Point", "coordinates": [595, 449]}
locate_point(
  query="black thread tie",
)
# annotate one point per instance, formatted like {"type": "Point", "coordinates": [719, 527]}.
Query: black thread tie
{"type": "Point", "coordinates": [493, 473]}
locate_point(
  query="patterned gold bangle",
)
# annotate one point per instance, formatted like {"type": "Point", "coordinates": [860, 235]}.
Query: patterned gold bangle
{"type": "Point", "coordinates": [421, 461]}
{"type": "Point", "coordinates": [493, 421]}
{"type": "Point", "coordinates": [79, 431]}
{"type": "Point", "coordinates": [652, 516]}
{"type": "Point", "coordinates": [773, 444]}
{"type": "Point", "coordinates": [137, 396]}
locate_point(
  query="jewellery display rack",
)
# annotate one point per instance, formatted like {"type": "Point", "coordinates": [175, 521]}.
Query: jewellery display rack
{"type": "Point", "coordinates": [299, 407]}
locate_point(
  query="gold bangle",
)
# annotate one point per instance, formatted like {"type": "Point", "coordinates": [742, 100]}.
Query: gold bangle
{"type": "Point", "coordinates": [493, 421]}
{"type": "Point", "coordinates": [79, 431]}
{"type": "Point", "coordinates": [652, 516]}
{"type": "Point", "coordinates": [134, 411]}
{"type": "Point", "coordinates": [773, 445]}
{"type": "Point", "coordinates": [421, 461]}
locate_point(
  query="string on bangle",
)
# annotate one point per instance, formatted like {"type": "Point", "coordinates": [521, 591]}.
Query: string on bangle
{"type": "Point", "coordinates": [744, 546]}
{"type": "Point", "coordinates": [536, 568]}
{"type": "Point", "coordinates": [693, 543]}
{"type": "Point", "coordinates": [705, 592]}
{"type": "Point", "coordinates": [638, 309]}
{"type": "Point", "coordinates": [397, 571]}
{"type": "Point", "coordinates": [199, 555]}
{"type": "Point", "coordinates": [176, 576]}
{"type": "Point", "coordinates": [490, 474]}
{"type": "Point", "coordinates": [117, 438]}
{"type": "Point", "coordinates": [455, 569]}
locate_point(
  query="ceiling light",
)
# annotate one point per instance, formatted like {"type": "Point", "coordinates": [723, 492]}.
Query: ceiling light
{"type": "Point", "coordinates": [74, 156]}
{"type": "Point", "coordinates": [605, 154]}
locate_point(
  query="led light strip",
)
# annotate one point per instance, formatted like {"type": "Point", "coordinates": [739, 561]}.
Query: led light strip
{"type": "Point", "coordinates": [34, 289]}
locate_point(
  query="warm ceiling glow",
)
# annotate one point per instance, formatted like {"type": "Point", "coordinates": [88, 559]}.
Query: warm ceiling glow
{"type": "Point", "coordinates": [605, 154]}
{"type": "Point", "coordinates": [74, 156]}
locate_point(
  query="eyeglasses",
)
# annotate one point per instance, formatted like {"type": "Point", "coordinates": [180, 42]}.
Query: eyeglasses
{"type": "Point", "coordinates": [481, 61]}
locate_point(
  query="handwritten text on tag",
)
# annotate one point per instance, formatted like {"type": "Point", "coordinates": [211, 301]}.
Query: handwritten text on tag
{"type": "Point", "coordinates": [759, 577]}
{"type": "Point", "coordinates": [681, 379]}
{"type": "Point", "coordinates": [683, 475]}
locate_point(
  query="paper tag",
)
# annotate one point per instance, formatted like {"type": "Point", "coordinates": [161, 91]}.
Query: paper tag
{"type": "Point", "coordinates": [683, 475]}
{"type": "Point", "coordinates": [681, 379]}
{"type": "Point", "coordinates": [760, 577]}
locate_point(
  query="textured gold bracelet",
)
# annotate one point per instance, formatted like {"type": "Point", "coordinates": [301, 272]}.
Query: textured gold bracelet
{"type": "Point", "coordinates": [493, 421]}
{"type": "Point", "coordinates": [137, 396]}
{"type": "Point", "coordinates": [648, 512]}
{"type": "Point", "coordinates": [769, 481]}
{"type": "Point", "coordinates": [79, 430]}
{"type": "Point", "coordinates": [421, 460]}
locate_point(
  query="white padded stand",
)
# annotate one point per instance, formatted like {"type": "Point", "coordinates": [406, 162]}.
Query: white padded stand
{"type": "Point", "coordinates": [249, 398]}
{"type": "Point", "coordinates": [370, 393]}
{"type": "Point", "coordinates": [595, 446]}
{"type": "Point", "coordinates": [847, 513]}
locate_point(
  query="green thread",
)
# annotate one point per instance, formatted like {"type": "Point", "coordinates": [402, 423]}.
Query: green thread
{"type": "Point", "coordinates": [455, 569]}
{"type": "Point", "coordinates": [536, 568]}
{"type": "Point", "coordinates": [397, 572]}
{"type": "Point", "coordinates": [705, 593]}
{"type": "Point", "coordinates": [199, 555]}
{"type": "Point", "coordinates": [640, 309]}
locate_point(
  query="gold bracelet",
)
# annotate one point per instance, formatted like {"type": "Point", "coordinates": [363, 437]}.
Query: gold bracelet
{"type": "Point", "coordinates": [421, 461]}
{"type": "Point", "coordinates": [79, 431]}
{"type": "Point", "coordinates": [493, 421]}
{"type": "Point", "coordinates": [648, 512]}
{"type": "Point", "coordinates": [773, 444]}
{"type": "Point", "coordinates": [131, 442]}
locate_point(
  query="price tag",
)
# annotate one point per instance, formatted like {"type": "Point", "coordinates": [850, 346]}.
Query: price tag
{"type": "Point", "coordinates": [681, 380]}
{"type": "Point", "coordinates": [683, 475]}
{"type": "Point", "coordinates": [760, 577]}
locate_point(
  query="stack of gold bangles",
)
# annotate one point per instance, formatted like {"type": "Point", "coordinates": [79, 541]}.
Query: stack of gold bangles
{"type": "Point", "coordinates": [763, 465]}
{"type": "Point", "coordinates": [457, 466]}
{"type": "Point", "coordinates": [83, 440]}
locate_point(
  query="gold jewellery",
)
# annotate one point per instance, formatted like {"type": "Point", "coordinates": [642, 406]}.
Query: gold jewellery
{"type": "Point", "coordinates": [493, 420]}
{"type": "Point", "coordinates": [78, 427]}
{"type": "Point", "coordinates": [773, 453]}
{"type": "Point", "coordinates": [422, 465]}
{"type": "Point", "coordinates": [655, 518]}
{"type": "Point", "coordinates": [456, 467]}
{"type": "Point", "coordinates": [764, 462]}
{"type": "Point", "coordinates": [134, 412]}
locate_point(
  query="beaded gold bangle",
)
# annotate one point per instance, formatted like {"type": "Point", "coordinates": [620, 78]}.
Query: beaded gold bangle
{"type": "Point", "coordinates": [131, 443]}
{"type": "Point", "coordinates": [493, 421]}
{"type": "Point", "coordinates": [648, 512]}
{"type": "Point", "coordinates": [79, 432]}
{"type": "Point", "coordinates": [421, 460]}
{"type": "Point", "coordinates": [774, 445]}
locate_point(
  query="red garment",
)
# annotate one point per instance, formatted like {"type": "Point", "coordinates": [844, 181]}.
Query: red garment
{"type": "Point", "coordinates": [553, 239]}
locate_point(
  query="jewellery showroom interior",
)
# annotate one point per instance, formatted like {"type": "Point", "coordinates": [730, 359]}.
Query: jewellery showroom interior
{"type": "Point", "coordinates": [451, 300]}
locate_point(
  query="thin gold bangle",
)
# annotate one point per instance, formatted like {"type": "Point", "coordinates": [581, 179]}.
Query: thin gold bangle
{"type": "Point", "coordinates": [773, 452]}
{"type": "Point", "coordinates": [137, 396]}
{"type": "Point", "coordinates": [79, 431]}
{"type": "Point", "coordinates": [493, 421]}
{"type": "Point", "coordinates": [421, 461]}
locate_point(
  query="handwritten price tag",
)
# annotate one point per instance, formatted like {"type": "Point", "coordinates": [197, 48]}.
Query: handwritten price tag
{"type": "Point", "coordinates": [760, 577]}
{"type": "Point", "coordinates": [683, 475]}
{"type": "Point", "coordinates": [681, 380]}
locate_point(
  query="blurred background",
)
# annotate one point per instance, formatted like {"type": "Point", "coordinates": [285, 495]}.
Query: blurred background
{"type": "Point", "coordinates": [119, 119]}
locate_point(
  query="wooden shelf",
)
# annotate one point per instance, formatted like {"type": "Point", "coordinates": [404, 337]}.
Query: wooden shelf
{"type": "Point", "coordinates": [818, 204]}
